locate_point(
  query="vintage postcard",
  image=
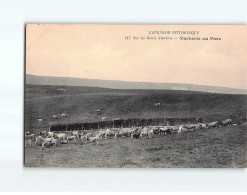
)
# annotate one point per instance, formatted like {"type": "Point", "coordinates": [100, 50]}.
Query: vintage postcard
{"type": "Point", "coordinates": [135, 96]}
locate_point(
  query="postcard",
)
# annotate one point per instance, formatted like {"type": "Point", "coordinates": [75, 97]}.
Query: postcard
{"type": "Point", "coordinates": [135, 96]}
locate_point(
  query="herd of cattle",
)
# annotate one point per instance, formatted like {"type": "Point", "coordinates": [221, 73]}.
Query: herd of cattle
{"type": "Point", "coordinates": [46, 139]}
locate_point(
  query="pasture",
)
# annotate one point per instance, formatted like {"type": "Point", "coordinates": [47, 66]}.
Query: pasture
{"type": "Point", "coordinates": [80, 103]}
{"type": "Point", "coordinates": [224, 147]}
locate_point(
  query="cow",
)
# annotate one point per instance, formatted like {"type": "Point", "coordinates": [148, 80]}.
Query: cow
{"type": "Point", "coordinates": [168, 129]}
{"type": "Point", "coordinates": [164, 130]}
{"type": "Point", "coordinates": [54, 116]}
{"type": "Point", "coordinates": [192, 127]}
{"type": "Point", "coordinates": [75, 133]}
{"type": "Point", "coordinates": [55, 142]}
{"type": "Point", "coordinates": [126, 132]}
{"type": "Point", "coordinates": [28, 142]}
{"type": "Point", "coordinates": [48, 139]}
{"type": "Point", "coordinates": [93, 139]}
{"type": "Point", "coordinates": [157, 105]}
{"type": "Point", "coordinates": [135, 132]}
{"type": "Point", "coordinates": [70, 138]}
{"type": "Point", "coordinates": [226, 122]}
{"type": "Point", "coordinates": [43, 133]}
{"type": "Point", "coordinates": [105, 133]}
{"type": "Point", "coordinates": [39, 119]}
{"type": "Point", "coordinates": [63, 115]}
{"type": "Point", "coordinates": [181, 129]}
{"type": "Point", "coordinates": [60, 135]}
{"type": "Point", "coordinates": [63, 141]}
{"type": "Point", "coordinates": [84, 137]}
{"type": "Point", "coordinates": [47, 145]}
{"type": "Point", "coordinates": [103, 118]}
{"type": "Point", "coordinates": [213, 125]}
{"type": "Point", "coordinates": [147, 132]}
{"type": "Point", "coordinates": [108, 132]}
{"type": "Point", "coordinates": [203, 126]}
{"type": "Point", "coordinates": [39, 140]}
{"type": "Point", "coordinates": [50, 134]}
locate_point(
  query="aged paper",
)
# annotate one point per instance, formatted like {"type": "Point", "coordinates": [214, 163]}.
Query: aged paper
{"type": "Point", "coordinates": [135, 96]}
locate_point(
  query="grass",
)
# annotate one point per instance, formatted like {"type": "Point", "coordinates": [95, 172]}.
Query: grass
{"type": "Point", "coordinates": [225, 147]}
{"type": "Point", "coordinates": [46, 101]}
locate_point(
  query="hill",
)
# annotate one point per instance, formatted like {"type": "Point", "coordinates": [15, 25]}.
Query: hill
{"type": "Point", "coordinates": [80, 103]}
{"type": "Point", "coordinates": [69, 81]}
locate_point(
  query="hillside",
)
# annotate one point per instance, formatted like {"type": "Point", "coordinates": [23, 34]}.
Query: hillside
{"type": "Point", "coordinates": [68, 81]}
{"type": "Point", "coordinates": [44, 101]}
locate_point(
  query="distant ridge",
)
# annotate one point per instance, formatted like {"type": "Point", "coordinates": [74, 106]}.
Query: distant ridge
{"type": "Point", "coordinates": [70, 81]}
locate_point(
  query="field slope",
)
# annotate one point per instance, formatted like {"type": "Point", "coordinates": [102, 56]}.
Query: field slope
{"type": "Point", "coordinates": [80, 103]}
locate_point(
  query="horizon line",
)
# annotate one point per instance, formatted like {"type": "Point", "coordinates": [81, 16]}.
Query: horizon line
{"type": "Point", "coordinates": [137, 81]}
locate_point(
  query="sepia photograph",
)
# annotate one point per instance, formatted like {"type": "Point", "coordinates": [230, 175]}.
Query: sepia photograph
{"type": "Point", "coordinates": [135, 96]}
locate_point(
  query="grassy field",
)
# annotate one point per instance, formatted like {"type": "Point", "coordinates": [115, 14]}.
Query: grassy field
{"type": "Point", "coordinates": [46, 101]}
{"type": "Point", "coordinates": [225, 147]}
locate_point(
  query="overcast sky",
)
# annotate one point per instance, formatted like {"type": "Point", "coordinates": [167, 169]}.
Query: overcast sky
{"type": "Point", "coordinates": [101, 52]}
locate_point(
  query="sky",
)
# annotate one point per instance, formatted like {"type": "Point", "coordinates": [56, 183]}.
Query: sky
{"type": "Point", "coordinates": [102, 52]}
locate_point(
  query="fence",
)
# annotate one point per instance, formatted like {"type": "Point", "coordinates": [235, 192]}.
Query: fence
{"type": "Point", "coordinates": [124, 123]}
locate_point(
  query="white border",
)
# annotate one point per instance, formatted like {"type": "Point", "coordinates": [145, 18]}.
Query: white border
{"type": "Point", "coordinates": [14, 14]}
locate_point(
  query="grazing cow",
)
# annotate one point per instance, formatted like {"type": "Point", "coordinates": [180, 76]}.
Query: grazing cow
{"type": "Point", "coordinates": [105, 133]}
{"type": "Point", "coordinates": [43, 133]}
{"type": "Point", "coordinates": [157, 105]}
{"type": "Point", "coordinates": [124, 132]}
{"type": "Point", "coordinates": [213, 125]}
{"type": "Point", "coordinates": [63, 115]}
{"type": "Point", "coordinates": [63, 141]}
{"type": "Point", "coordinates": [48, 139]}
{"type": "Point", "coordinates": [164, 130]}
{"type": "Point", "coordinates": [203, 126]}
{"type": "Point", "coordinates": [192, 127]}
{"type": "Point", "coordinates": [93, 139]}
{"type": "Point", "coordinates": [39, 140]}
{"type": "Point", "coordinates": [50, 134]}
{"type": "Point", "coordinates": [84, 138]}
{"type": "Point", "coordinates": [55, 142]}
{"type": "Point", "coordinates": [168, 129]}
{"type": "Point", "coordinates": [75, 133]}
{"type": "Point", "coordinates": [147, 132]}
{"type": "Point", "coordinates": [87, 134]}
{"type": "Point", "coordinates": [60, 136]}
{"type": "Point", "coordinates": [46, 145]}
{"type": "Point", "coordinates": [70, 138]}
{"type": "Point", "coordinates": [28, 142]}
{"type": "Point", "coordinates": [182, 129]}
{"type": "Point", "coordinates": [108, 132]}
{"type": "Point", "coordinates": [226, 122]}
{"type": "Point", "coordinates": [136, 133]}
{"type": "Point", "coordinates": [103, 118]}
